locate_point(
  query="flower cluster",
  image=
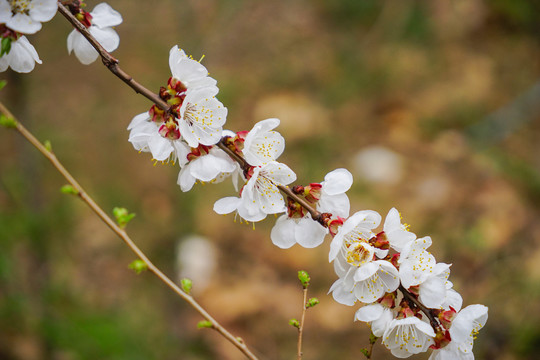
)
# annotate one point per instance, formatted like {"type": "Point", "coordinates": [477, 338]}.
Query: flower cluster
{"type": "Point", "coordinates": [18, 17]}
{"type": "Point", "coordinates": [408, 299]}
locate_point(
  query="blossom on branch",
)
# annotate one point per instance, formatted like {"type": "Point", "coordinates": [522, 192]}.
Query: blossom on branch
{"type": "Point", "coordinates": [297, 226]}
{"type": "Point", "coordinates": [22, 56]}
{"type": "Point", "coordinates": [263, 145]}
{"type": "Point", "coordinates": [26, 16]}
{"type": "Point", "coordinates": [206, 164]}
{"type": "Point", "coordinates": [465, 326]}
{"type": "Point", "coordinates": [145, 136]}
{"type": "Point", "coordinates": [99, 22]}
{"type": "Point", "coordinates": [260, 195]}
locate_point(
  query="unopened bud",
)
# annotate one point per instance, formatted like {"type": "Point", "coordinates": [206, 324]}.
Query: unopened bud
{"type": "Point", "coordinates": [446, 317]}
{"type": "Point", "coordinates": [68, 189]}
{"type": "Point", "coordinates": [380, 241]}
{"type": "Point", "coordinates": [48, 145]}
{"type": "Point", "coordinates": [205, 324]}
{"type": "Point", "coordinates": [7, 121]}
{"type": "Point", "coordinates": [295, 323]}
{"type": "Point", "coordinates": [304, 278]}
{"type": "Point", "coordinates": [138, 266]}
{"type": "Point", "coordinates": [187, 284]}
{"type": "Point", "coordinates": [123, 216]}
{"type": "Point", "coordinates": [312, 302]}
{"type": "Point", "coordinates": [312, 192]}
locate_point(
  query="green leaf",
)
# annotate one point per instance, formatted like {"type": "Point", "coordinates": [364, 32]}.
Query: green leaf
{"type": "Point", "coordinates": [123, 216]}
{"type": "Point", "coordinates": [204, 324]}
{"type": "Point", "coordinates": [5, 45]}
{"type": "Point", "coordinates": [138, 266]}
{"type": "Point", "coordinates": [68, 189]}
{"type": "Point", "coordinates": [3, 84]}
{"type": "Point", "coordinates": [7, 122]}
{"type": "Point", "coordinates": [304, 278]}
{"type": "Point", "coordinates": [187, 284]}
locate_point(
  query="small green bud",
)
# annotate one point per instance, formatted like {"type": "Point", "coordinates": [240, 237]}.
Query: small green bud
{"type": "Point", "coordinates": [123, 216]}
{"type": "Point", "coordinates": [295, 323]}
{"type": "Point", "coordinates": [3, 83]}
{"type": "Point", "coordinates": [205, 324]}
{"type": "Point", "coordinates": [365, 352]}
{"type": "Point", "coordinates": [68, 189]}
{"type": "Point", "coordinates": [312, 302]}
{"type": "Point", "coordinates": [187, 284]}
{"type": "Point", "coordinates": [7, 122]}
{"type": "Point", "coordinates": [48, 145]}
{"type": "Point", "coordinates": [372, 338]}
{"type": "Point", "coordinates": [5, 46]}
{"type": "Point", "coordinates": [304, 278]}
{"type": "Point", "coordinates": [138, 266]}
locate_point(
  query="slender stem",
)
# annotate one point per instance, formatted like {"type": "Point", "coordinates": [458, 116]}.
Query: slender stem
{"type": "Point", "coordinates": [372, 341]}
{"type": "Point", "coordinates": [301, 327]}
{"type": "Point", "coordinates": [112, 64]}
{"type": "Point", "coordinates": [124, 236]}
{"type": "Point", "coordinates": [110, 61]}
{"type": "Point", "coordinates": [434, 323]}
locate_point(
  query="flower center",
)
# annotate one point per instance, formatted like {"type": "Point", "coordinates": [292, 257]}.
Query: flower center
{"type": "Point", "coordinates": [20, 6]}
{"type": "Point", "coordinates": [359, 253]}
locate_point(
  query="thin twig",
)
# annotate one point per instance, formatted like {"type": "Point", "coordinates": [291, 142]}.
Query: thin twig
{"type": "Point", "coordinates": [434, 323]}
{"type": "Point", "coordinates": [301, 327]}
{"type": "Point", "coordinates": [124, 236]}
{"type": "Point", "coordinates": [112, 64]}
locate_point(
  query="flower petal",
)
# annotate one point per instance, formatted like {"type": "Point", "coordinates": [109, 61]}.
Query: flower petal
{"type": "Point", "coordinates": [282, 233]}
{"type": "Point", "coordinates": [104, 15]}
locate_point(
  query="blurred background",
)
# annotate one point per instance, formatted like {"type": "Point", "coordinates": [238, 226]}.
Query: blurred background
{"type": "Point", "coordinates": [434, 106]}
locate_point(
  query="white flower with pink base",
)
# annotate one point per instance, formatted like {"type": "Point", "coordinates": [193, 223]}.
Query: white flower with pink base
{"type": "Point", "coordinates": [100, 23]}
{"type": "Point", "coordinates": [260, 196]}
{"type": "Point", "coordinates": [293, 228]}
{"type": "Point", "coordinates": [26, 16]}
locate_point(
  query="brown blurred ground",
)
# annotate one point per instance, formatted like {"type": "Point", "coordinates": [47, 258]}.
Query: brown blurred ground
{"type": "Point", "coordinates": [433, 105]}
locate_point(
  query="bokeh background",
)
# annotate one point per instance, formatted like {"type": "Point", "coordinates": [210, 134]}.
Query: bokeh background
{"type": "Point", "coordinates": [434, 106]}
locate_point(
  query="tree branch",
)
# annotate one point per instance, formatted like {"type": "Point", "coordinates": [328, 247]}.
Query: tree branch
{"type": "Point", "coordinates": [112, 64]}
{"type": "Point", "coordinates": [124, 236]}
{"type": "Point", "coordinates": [301, 327]}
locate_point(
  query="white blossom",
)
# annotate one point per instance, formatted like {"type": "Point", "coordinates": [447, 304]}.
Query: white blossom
{"type": "Point", "coordinates": [103, 19]}
{"type": "Point", "coordinates": [333, 198]}
{"type": "Point", "coordinates": [145, 137]}
{"type": "Point", "coordinates": [432, 291]}
{"type": "Point", "coordinates": [367, 282]}
{"type": "Point", "coordinates": [415, 263]}
{"type": "Point", "coordinates": [260, 196]}
{"type": "Point", "coordinates": [303, 231]}
{"type": "Point", "coordinates": [408, 336]}
{"type": "Point", "coordinates": [377, 315]}
{"type": "Point", "coordinates": [191, 73]}
{"type": "Point", "coordinates": [463, 331]}
{"type": "Point", "coordinates": [262, 144]}
{"type": "Point", "coordinates": [356, 228]}
{"type": "Point", "coordinates": [202, 117]}
{"type": "Point", "coordinates": [214, 166]}
{"type": "Point", "coordinates": [26, 16]}
{"type": "Point", "coordinates": [397, 234]}
{"type": "Point", "coordinates": [21, 58]}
